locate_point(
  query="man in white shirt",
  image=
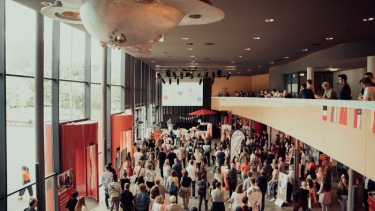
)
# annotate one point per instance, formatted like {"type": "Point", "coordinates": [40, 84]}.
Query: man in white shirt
{"type": "Point", "coordinates": [178, 137]}
{"type": "Point", "coordinates": [107, 178]}
{"type": "Point", "coordinates": [192, 172]}
{"type": "Point", "coordinates": [114, 191]}
{"type": "Point", "coordinates": [255, 195]}
{"type": "Point", "coordinates": [137, 156]}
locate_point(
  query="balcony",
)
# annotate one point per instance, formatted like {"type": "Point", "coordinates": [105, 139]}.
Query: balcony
{"type": "Point", "coordinates": [303, 119]}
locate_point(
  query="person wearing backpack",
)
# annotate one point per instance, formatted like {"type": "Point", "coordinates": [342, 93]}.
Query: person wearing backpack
{"type": "Point", "coordinates": [173, 184]}
{"type": "Point", "coordinates": [245, 206]}
{"type": "Point", "coordinates": [33, 203]}
{"type": "Point", "coordinates": [203, 194]}
{"type": "Point", "coordinates": [190, 150]}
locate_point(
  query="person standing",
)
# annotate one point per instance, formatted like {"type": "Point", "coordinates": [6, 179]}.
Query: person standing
{"type": "Point", "coordinates": [342, 193]}
{"type": "Point", "coordinates": [325, 194]}
{"type": "Point", "coordinates": [368, 185]}
{"type": "Point", "coordinates": [203, 192]}
{"type": "Point", "coordinates": [301, 197]}
{"type": "Point", "coordinates": [166, 171]}
{"type": "Point", "coordinates": [81, 204]}
{"type": "Point", "coordinates": [232, 178]}
{"type": "Point", "coordinates": [150, 176]}
{"type": "Point", "coordinates": [329, 93]}
{"type": "Point", "coordinates": [207, 152]}
{"type": "Point", "coordinates": [306, 93]}
{"type": "Point", "coordinates": [192, 171]}
{"type": "Point", "coordinates": [72, 202]}
{"type": "Point", "coordinates": [185, 185]}
{"type": "Point", "coordinates": [220, 157]}
{"type": "Point", "coordinates": [178, 168]}
{"type": "Point", "coordinates": [33, 203]}
{"type": "Point", "coordinates": [217, 196]}
{"type": "Point", "coordinates": [114, 190]}
{"type": "Point", "coordinates": [262, 183]}
{"type": "Point", "coordinates": [254, 194]}
{"type": "Point", "coordinates": [236, 198]}
{"type": "Point", "coordinates": [345, 92]}
{"type": "Point", "coordinates": [173, 206]}
{"type": "Point", "coordinates": [142, 199]}
{"type": "Point", "coordinates": [107, 178]}
{"type": "Point", "coordinates": [369, 90]}
{"type": "Point", "coordinates": [183, 155]}
{"type": "Point", "coordinates": [127, 198]}
{"type": "Point", "coordinates": [25, 180]}
{"type": "Point", "coordinates": [125, 179]}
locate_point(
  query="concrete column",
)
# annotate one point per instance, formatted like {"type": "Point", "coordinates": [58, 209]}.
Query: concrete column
{"type": "Point", "coordinates": [104, 104]}
{"type": "Point", "coordinates": [371, 64]}
{"type": "Point", "coordinates": [310, 73]}
{"type": "Point", "coordinates": [350, 191]}
{"type": "Point", "coordinates": [296, 166]}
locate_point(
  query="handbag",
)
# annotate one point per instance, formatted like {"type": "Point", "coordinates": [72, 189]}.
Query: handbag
{"type": "Point", "coordinates": [137, 178]}
{"type": "Point", "coordinates": [181, 193]}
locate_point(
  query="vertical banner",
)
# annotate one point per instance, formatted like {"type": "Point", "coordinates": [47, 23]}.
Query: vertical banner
{"type": "Point", "coordinates": [333, 114]}
{"type": "Point", "coordinates": [357, 118]}
{"type": "Point", "coordinates": [343, 116]}
{"type": "Point", "coordinates": [324, 113]}
{"type": "Point", "coordinates": [235, 143]}
{"type": "Point", "coordinates": [65, 188]}
{"type": "Point", "coordinates": [282, 189]}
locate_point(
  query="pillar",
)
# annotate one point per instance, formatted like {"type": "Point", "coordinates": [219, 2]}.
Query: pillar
{"type": "Point", "coordinates": [296, 166]}
{"type": "Point", "coordinates": [310, 73]}
{"type": "Point", "coordinates": [104, 105]}
{"type": "Point", "coordinates": [39, 113]}
{"type": "Point", "coordinates": [350, 190]}
{"type": "Point", "coordinates": [371, 64]}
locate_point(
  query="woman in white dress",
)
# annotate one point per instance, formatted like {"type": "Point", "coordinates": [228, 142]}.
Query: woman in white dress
{"type": "Point", "coordinates": [236, 198]}
{"type": "Point", "coordinates": [219, 176]}
{"type": "Point", "coordinates": [166, 171]}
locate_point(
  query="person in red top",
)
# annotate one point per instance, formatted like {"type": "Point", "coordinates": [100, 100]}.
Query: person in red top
{"type": "Point", "coordinates": [311, 168]}
{"type": "Point", "coordinates": [25, 180]}
{"type": "Point", "coordinates": [245, 167]}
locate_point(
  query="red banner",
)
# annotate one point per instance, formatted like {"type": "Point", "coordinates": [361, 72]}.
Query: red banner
{"type": "Point", "coordinates": [65, 188]}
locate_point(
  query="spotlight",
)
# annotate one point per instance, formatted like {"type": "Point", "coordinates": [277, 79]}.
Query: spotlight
{"type": "Point", "coordinates": [174, 75]}
{"type": "Point", "coordinates": [178, 81]}
{"type": "Point", "coordinates": [219, 73]}
{"type": "Point", "coordinates": [228, 75]}
{"type": "Point", "coordinates": [168, 73]}
{"type": "Point", "coordinates": [200, 81]}
{"type": "Point", "coordinates": [206, 75]}
{"type": "Point", "coordinates": [162, 80]}
{"type": "Point", "coordinates": [191, 75]}
{"type": "Point", "coordinates": [181, 75]}
{"type": "Point", "coordinates": [213, 80]}
{"type": "Point", "coordinates": [213, 74]}
{"type": "Point", "coordinates": [170, 80]}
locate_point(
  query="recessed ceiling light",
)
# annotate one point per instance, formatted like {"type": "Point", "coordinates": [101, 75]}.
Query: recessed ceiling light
{"type": "Point", "coordinates": [333, 69]}
{"type": "Point", "coordinates": [238, 72]}
{"type": "Point", "coordinates": [189, 49]}
{"type": "Point", "coordinates": [368, 19]}
{"type": "Point", "coordinates": [192, 56]}
{"type": "Point", "coordinates": [185, 38]}
{"type": "Point", "coordinates": [247, 49]}
{"type": "Point", "coordinates": [232, 62]}
{"type": "Point", "coordinates": [272, 62]}
{"type": "Point", "coordinates": [302, 74]}
{"type": "Point", "coordinates": [153, 61]}
{"type": "Point", "coordinates": [256, 38]}
{"type": "Point", "coordinates": [259, 66]}
{"type": "Point", "coordinates": [305, 49]}
{"type": "Point", "coordinates": [240, 56]}
{"type": "Point", "coordinates": [249, 69]}
{"type": "Point", "coordinates": [286, 57]}
{"type": "Point", "coordinates": [269, 20]}
{"type": "Point", "coordinates": [329, 38]}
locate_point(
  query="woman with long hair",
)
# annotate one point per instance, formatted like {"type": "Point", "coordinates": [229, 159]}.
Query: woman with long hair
{"type": "Point", "coordinates": [342, 192]}
{"type": "Point", "coordinates": [81, 205]}
{"type": "Point", "coordinates": [236, 198]}
{"type": "Point", "coordinates": [325, 193]}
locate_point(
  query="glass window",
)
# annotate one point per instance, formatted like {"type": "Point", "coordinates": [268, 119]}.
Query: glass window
{"type": "Point", "coordinates": [15, 204]}
{"type": "Point", "coordinates": [116, 67]}
{"type": "Point", "coordinates": [72, 53]}
{"type": "Point", "coordinates": [48, 47]}
{"type": "Point", "coordinates": [115, 99]}
{"type": "Point", "coordinates": [96, 61]}
{"type": "Point", "coordinates": [20, 39]}
{"type": "Point", "coordinates": [72, 101]}
{"type": "Point", "coordinates": [20, 105]}
{"type": "Point", "coordinates": [295, 88]}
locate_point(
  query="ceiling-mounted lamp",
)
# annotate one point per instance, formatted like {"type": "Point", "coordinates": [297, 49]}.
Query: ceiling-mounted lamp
{"type": "Point", "coordinates": [162, 80]}
{"type": "Point", "coordinates": [200, 81]}
{"type": "Point", "coordinates": [168, 73]}
{"type": "Point", "coordinates": [170, 80]}
{"type": "Point", "coordinates": [228, 75]}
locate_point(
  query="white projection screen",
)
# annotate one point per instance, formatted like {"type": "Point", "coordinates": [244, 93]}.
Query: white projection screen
{"type": "Point", "coordinates": [187, 93]}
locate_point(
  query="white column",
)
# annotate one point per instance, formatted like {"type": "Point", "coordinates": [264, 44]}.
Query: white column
{"type": "Point", "coordinates": [310, 73]}
{"type": "Point", "coordinates": [371, 64]}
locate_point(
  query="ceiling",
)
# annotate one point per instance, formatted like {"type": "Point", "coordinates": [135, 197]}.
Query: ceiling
{"type": "Point", "coordinates": [298, 25]}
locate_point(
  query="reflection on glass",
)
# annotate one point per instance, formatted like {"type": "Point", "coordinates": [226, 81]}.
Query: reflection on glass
{"type": "Point", "coordinates": [20, 47]}
{"type": "Point", "coordinates": [115, 99]}
{"type": "Point", "coordinates": [72, 53]}
{"type": "Point", "coordinates": [116, 67]}
{"type": "Point", "coordinates": [72, 101]}
{"type": "Point", "coordinates": [96, 61]}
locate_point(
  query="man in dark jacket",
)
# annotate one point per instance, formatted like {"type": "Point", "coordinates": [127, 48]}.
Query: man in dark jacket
{"type": "Point", "coordinates": [232, 179]}
{"type": "Point", "coordinates": [306, 93]}
{"type": "Point", "coordinates": [126, 198]}
{"type": "Point", "coordinates": [33, 203]}
{"type": "Point", "coordinates": [178, 168]}
{"type": "Point", "coordinates": [171, 156]}
{"type": "Point", "coordinates": [262, 184]}
{"type": "Point", "coordinates": [161, 158]}
{"type": "Point", "coordinates": [345, 92]}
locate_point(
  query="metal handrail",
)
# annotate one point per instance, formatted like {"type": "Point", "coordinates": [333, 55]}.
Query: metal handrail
{"type": "Point", "coordinates": [28, 185]}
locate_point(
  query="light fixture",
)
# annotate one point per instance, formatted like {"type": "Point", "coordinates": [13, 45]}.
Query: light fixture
{"type": "Point", "coordinates": [141, 22]}
{"type": "Point", "coordinates": [368, 19]}
{"type": "Point", "coordinates": [228, 75]}
{"type": "Point", "coordinates": [200, 81]}
{"type": "Point", "coordinates": [240, 56]}
{"type": "Point", "coordinates": [305, 49]}
{"type": "Point", "coordinates": [272, 62]}
{"type": "Point", "coordinates": [185, 38]}
{"type": "Point", "coordinates": [232, 62]}
{"type": "Point", "coordinates": [333, 69]}
{"type": "Point", "coordinates": [269, 20]}
{"type": "Point", "coordinates": [286, 57]}
{"type": "Point", "coordinates": [247, 49]}
{"type": "Point", "coordinates": [153, 61]}
{"type": "Point", "coordinates": [329, 38]}
{"type": "Point", "coordinates": [256, 38]}
{"type": "Point", "coordinates": [302, 74]}
{"type": "Point", "coordinates": [189, 49]}
{"type": "Point", "coordinates": [162, 80]}
{"type": "Point", "coordinates": [192, 56]}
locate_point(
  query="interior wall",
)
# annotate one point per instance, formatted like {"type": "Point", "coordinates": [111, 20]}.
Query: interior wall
{"type": "Point", "coordinates": [354, 76]}
{"type": "Point", "coordinates": [260, 82]}
{"type": "Point", "coordinates": [234, 83]}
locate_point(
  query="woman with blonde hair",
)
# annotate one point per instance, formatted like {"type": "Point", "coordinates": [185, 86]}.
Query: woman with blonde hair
{"type": "Point", "coordinates": [81, 205]}
{"type": "Point", "coordinates": [236, 198]}
{"type": "Point", "coordinates": [158, 204]}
